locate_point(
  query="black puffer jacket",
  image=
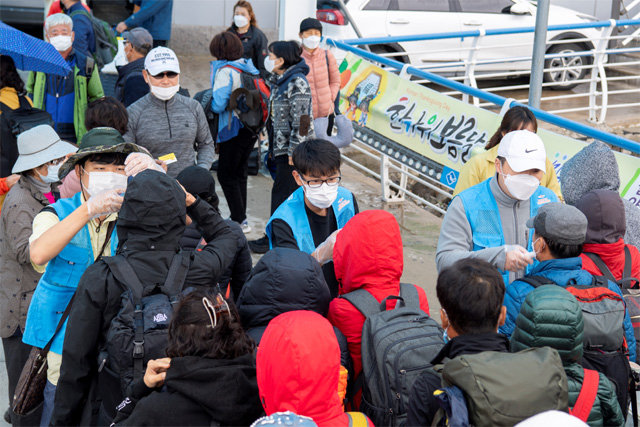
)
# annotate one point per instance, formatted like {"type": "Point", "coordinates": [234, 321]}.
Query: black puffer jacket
{"type": "Point", "coordinates": [197, 392]}
{"type": "Point", "coordinates": [240, 268]}
{"type": "Point", "coordinates": [285, 280]}
{"type": "Point", "coordinates": [150, 224]}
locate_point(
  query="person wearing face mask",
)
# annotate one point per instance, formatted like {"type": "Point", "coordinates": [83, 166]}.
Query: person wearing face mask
{"type": "Point", "coordinates": [130, 85]}
{"type": "Point", "coordinates": [323, 77]}
{"type": "Point", "coordinates": [488, 220]}
{"type": "Point", "coordinates": [155, 16]}
{"type": "Point", "coordinates": [70, 234]}
{"type": "Point", "coordinates": [85, 39]}
{"type": "Point", "coordinates": [482, 165]}
{"type": "Point", "coordinates": [254, 42]}
{"type": "Point", "coordinates": [470, 293]}
{"type": "Point", "coordinates": [171, 126]}
{"type": "Point", "coordinates": [559, 232]}
{"type": "Point", "coordinates": [41, 153]}
{"type": "Point", "coordinates": [66, 97]}
{"type": "Point", "coordinates": [310, 219]}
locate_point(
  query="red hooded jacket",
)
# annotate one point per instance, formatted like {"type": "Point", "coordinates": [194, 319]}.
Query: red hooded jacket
{"type": "Point", "coordinates": [298, 368]}
{"type": "Point", "coordinates": [368, 255]}
{"type": "Point", "coordinates": [613, 256]}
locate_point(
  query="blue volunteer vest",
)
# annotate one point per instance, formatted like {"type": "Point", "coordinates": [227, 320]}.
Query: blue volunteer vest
{"type": "Point", "coordinates": [59, 282]}
{"type": "Point", "coordinates": [292, 212]}
{"type": "Point", "coordinates": [484, 217]}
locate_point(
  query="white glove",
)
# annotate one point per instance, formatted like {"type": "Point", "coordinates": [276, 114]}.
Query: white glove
{"type": "Point", "coordinates": [105, 203]}
{"type": "Point", "coordinates": [324, 252]}
{"type": "Point", "coordinates": [517, 258]}
{"type": "Point", "coordinates": [137, 162]}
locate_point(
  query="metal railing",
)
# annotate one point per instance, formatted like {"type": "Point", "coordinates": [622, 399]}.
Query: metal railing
{"type": "Point", "coordinates": [605, 64]}
{"type": "Point", "coordinates": [384, 154]}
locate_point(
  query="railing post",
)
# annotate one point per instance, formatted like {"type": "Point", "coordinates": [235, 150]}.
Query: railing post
{"type": "Point", "coordinates": [598, 70]}
{"type": "Point", "coordinates": [470, 68]}
{"type": "Point", "coordinates": [539, 45]}
{"type": "Point", "coordinates": [390, 195]}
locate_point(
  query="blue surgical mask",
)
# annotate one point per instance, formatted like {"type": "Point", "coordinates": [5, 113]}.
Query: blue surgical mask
{"type": "Point", "coordinates": [445, 336]}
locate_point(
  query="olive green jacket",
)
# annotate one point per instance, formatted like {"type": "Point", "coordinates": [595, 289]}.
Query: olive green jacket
{"type": "Point", "coordinates": [86, 90]}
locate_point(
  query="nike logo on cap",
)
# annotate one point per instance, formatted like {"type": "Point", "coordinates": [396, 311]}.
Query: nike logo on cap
{"type": "Point", "coordinates": [530, 151]}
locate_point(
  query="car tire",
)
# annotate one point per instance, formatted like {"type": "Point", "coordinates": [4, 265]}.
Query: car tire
{"type": "Point", "coordinates": [564, 78]}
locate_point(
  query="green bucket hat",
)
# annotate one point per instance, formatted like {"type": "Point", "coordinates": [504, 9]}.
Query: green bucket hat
{"type": "Point", "coordinates": [99, 140]}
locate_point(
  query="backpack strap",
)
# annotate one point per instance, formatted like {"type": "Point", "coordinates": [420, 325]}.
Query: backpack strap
{"type": "Point", "coordinates": [88, 66]}
{"type": "Point", "coordinates": [177, 274]}
{"type": "Point", "coordinates": [537, 281]}
{"type": "Point", "coordinates": [363, 301]}
{"type": "Point", "coordinates": [601, 265]}
{"type": "Point", "coordinates": [587, 396]}
{"type": "Point", "coordinates": [25, 104]}
{"type": "Point", "coordinates": [410, 295]}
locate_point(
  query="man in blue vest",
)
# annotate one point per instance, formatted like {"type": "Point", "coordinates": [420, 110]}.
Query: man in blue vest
{"type": "Point", "coordinates": [71, 234]}
{"type": "Point", "coordinates": [488, 220]}
{"type": "Point", "coordinates": [311, 217]}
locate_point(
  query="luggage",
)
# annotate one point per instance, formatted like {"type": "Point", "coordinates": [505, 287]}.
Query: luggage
{"type": "Point", "coordinates": [397, 346]}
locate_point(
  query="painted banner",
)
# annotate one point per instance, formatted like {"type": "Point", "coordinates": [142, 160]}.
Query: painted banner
{"type": "Point", "coordinates": [441, 128]}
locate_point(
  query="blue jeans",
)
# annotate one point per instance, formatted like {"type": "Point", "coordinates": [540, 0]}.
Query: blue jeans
{"type": "Point", "coordinates": [47, 409]}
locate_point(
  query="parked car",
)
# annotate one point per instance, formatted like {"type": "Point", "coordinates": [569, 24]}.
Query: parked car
{"type": "Point", "coordinates": [385, 18]}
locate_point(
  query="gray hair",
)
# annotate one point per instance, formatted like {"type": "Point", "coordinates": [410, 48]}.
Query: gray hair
{"type": "Point", "coordinates": [57, 19]}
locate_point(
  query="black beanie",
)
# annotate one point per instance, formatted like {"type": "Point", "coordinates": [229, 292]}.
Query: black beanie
{"type": "Point", "coordinates": [310, 24]}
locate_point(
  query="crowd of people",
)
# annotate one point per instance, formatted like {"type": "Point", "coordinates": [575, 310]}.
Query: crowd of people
{"type": "Point", "coordinates": [116, 261]}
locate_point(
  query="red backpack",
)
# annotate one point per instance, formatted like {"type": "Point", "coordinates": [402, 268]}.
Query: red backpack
{"type": "Point", "coordinates": [251, 101]}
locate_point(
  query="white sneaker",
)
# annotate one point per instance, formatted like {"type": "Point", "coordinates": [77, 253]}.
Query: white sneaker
{"type": "Point", "coordinates": [246, 228]}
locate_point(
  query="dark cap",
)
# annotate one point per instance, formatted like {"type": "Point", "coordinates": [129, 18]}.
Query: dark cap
{"type": "Point", "coordinates": [139, 38]}
{"type": "Point", "coordinates": [310, 24]}
{"type": "Point", "coordinates": [199, 182]}
{"type": "Point", "coordinates": [99, 140]}
{"type": "Point", "coordinates": [605, 214]}
{"type": "Point", "coordinates": [563, 224]}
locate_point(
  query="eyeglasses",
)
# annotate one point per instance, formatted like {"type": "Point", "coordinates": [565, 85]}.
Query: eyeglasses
{"type": "Point", "coordinates": [317, 183]}
{"type": "Point", "coordinates": [169, 74]}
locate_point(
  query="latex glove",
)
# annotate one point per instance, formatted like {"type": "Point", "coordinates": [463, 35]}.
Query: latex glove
{"type": "Point", "coordinates": [156, 372]}
{"type": "Point", "coordinates": [105, 203]}
{"type": "Point", "coordinates": [137, 162]}
{"type": "Point", "coordinates": [517, 258]}
{"type": "Point", "coordinates": [324, 252]}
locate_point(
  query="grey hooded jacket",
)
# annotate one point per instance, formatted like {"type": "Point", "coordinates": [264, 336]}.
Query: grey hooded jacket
{"type": "Point", "coordinates": [595, 168]}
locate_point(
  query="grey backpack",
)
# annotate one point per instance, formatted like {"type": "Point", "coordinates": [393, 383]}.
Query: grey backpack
{"type": "Point", "coordinates": [397, 346]}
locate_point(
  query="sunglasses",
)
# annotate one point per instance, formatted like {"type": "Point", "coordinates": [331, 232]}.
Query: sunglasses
{"type": "Point", "coordinates": [169, 74]}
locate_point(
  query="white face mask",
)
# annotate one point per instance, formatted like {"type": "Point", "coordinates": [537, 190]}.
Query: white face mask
{"type": "Point", "coordinates": [61, 43]}
{"type": "Point", "coordinates": [521, 186]}
{"type": "Point", "coordinates": [269, 64]}
{"type": "Point", "coordinates": [311, 42]}
{"type": "Point", "coordinates": [100, 182]}
{"type": "Point", "coordinates": [52, 174]}
{"type": "Point", "coordinates": [165, 93]}
{"type": "Point", "coordinates": [533, 254]}
{"type": "Point", "coordinates": [321, 197]}
{"type": "Point", "coordinates": [240, 20]}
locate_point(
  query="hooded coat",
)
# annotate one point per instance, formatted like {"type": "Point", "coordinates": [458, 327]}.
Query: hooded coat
{"type": "Point", "coordinates": [197, 392]}
{"type": "Point", "coordinates": [594, 168]}
{"type": "Point", "coordinates": [367, 255]}
{"type": "Point", "coordinates": [150, 224]}
{"type": "Point", "coordinates": [285, 280]}
{"type": "Point", "coordinates": [324, 80]}
{"type": "Point", "coordinates": [298, 365]}
{"type": "Point", "coordinates": [550, 316]}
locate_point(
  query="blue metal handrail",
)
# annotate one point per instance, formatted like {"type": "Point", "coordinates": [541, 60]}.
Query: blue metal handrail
{"type": "Point", "coordinates": [487, 32]}
{"type": "Point", "coordinates": [585, 130]}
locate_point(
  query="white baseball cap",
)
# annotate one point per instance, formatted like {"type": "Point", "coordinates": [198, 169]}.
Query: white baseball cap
{"type": "Point", "coordinates": [161, 59]}
{"type": "Point", "coordinates": [523, 150]}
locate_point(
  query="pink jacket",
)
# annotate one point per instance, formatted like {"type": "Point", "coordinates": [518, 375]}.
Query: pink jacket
{"type": "Point", "coordinates": [324, 81]}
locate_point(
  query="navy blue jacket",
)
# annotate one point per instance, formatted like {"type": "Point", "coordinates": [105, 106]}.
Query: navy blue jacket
{"type": "Point", "coordinates": [154, 16]}
{"type": "Point", "coordinates": [84, 39]}
{"type": "Point", "coordinates": [560, 271]}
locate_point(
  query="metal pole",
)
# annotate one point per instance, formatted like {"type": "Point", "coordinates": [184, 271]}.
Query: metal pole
{"type": "Point", "coordinates": [615, 14]}
{"type": "Point", "coordinates": [539, 45]}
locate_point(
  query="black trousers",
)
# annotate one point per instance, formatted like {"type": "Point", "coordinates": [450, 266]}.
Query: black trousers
{"type": "Point", "coordinates": [16, 354]}
{"type": "Point", "coordinates": [233, 165]}
{"type": "Point", "coordinates": [283, 184]}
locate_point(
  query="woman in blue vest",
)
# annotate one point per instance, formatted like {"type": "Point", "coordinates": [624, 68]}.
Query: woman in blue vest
{"type": "Point", "coordinates": [311, 217]}
{"type": "Point", "coordinates": [68, 236]}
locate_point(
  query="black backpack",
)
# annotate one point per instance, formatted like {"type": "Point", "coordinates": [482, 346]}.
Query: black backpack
{"type": "Point", "coordinates": [106, 42]}
{"type": "Point", "coordinates": [14, 122]}
{"type": "Point", "coordinates": [251, 101]}
{"type": "Point", "coordinates": [598, 309]}
{"type": "Point", "coordinates": [138, 333]}
{"type": "Point", "coordinates": [397, 346]}
{"type": "Point", "coordinates": [204, 98]}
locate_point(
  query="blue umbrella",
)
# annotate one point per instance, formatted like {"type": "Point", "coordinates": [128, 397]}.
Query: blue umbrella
{"type": "Point", "coordinates": [30, 53]}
